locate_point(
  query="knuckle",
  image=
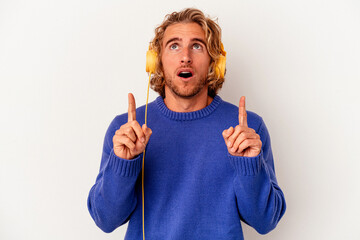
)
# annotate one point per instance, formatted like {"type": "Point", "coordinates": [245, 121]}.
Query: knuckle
{"type": "Point", "coordinates": [242, 135]}
{"type": "Point", "coordinates": [132, 147]}
{"type": "Point", "coordinates": [241, 129]}
{"type": "Point", "coordinates": [240, 149]}
{"type": "Point", "coordinates": [135, 123]}
{"type": "Point", "coordinates": [128, 130]}
{"type": "Point", "coordinates": [128, 142]}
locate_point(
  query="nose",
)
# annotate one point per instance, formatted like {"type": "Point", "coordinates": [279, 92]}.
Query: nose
{"type": "Point", "coordinates": [186, 56]}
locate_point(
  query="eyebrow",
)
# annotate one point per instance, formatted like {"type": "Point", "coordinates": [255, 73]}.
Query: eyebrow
{"type": "Point", "coordinates": [179, 39]}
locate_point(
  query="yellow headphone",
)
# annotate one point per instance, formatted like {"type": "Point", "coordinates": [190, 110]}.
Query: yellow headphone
{"type": "Point", "coordinates": [221, 63]}
{"type": "Point", "coordinates": [151, 58]}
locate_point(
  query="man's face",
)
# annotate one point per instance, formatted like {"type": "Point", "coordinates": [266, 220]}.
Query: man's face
{"type": "Point", "coordinates": [185, 59]}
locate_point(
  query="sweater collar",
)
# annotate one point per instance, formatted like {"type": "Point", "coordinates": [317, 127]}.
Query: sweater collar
{"type": "Point", "coordinates": [187, 116]}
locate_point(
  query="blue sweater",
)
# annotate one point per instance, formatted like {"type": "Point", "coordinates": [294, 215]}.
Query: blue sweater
{"type": "Point", "coordinates": [194, 189]}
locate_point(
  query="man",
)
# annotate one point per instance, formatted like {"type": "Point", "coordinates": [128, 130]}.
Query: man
{"type": "Point", "coordinates": [208, 163]}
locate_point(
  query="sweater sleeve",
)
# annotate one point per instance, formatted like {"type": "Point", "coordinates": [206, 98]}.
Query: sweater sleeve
{"type": "Point", "coordinates": [112, 199]}
{"type": "Point", "coordinates": [260, 201]}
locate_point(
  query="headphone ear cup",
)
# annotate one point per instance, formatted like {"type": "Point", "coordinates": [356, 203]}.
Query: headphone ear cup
{"type": "Point", "coordinates": [151, 58]}
{"type": "Point", "coordinates": [220, 67]}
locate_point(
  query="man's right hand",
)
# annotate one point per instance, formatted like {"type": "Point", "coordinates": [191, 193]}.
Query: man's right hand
{"type": "Point", "coordinates": [131, 139]}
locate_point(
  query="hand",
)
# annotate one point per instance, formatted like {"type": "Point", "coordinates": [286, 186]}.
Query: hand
{"type": "Point", "coordinates": [242, 141]}
{"type": "Point", "coordinates": [131, 139]}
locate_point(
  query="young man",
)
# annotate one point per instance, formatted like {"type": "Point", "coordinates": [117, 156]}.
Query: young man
{"type": "Point", "coordinates": [208, 163]}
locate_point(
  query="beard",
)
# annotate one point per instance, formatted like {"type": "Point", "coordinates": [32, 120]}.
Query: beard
{"type": "Point", "coordinates": [183, 92]}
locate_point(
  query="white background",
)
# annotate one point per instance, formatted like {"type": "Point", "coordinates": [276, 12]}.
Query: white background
{"type": "Point", "coordinates": [66, 68]}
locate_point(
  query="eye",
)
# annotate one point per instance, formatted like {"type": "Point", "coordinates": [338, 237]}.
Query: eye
{"type": "Point", "coordinates": [197, 46]}
{"type": "Point", "coordinates": [174, 46]}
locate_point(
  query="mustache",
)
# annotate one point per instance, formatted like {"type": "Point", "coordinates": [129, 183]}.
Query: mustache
{"type": "Point", "coordinates": [185, 66]}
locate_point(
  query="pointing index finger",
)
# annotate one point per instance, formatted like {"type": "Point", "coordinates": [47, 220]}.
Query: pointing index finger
{"type": "Point", "coordinates": [132, 108]}
{"type": "Point", "coordinates": [242, 112]}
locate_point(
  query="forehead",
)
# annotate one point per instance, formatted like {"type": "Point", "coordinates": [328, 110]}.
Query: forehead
{"type": "Point", "coordinates": [184, 31]}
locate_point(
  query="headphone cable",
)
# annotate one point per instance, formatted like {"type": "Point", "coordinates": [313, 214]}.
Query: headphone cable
{"type": "Point", "coordinates": [142, 178]}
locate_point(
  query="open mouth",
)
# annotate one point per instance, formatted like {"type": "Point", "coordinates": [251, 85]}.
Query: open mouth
{"type": "Point", "coordinates": [185, 74]}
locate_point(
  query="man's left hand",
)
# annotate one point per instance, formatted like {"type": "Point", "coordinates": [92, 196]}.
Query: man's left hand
{"type": "Point", "coordinates": [242, 141]}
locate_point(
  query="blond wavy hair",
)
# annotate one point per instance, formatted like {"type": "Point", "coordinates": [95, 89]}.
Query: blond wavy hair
{"type": "Point", "coordinates": [213, 44]}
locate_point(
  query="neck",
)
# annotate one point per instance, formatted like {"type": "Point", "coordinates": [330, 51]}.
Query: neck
{"type": "Point", "coordinates": [181, 104]}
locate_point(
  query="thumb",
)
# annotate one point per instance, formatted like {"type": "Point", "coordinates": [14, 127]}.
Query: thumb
{"type": "Point", "coordinates": [147, 131]}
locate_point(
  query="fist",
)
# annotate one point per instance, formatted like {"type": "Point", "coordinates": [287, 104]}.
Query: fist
{"type": "Point", "coordinates": [131, 139]}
